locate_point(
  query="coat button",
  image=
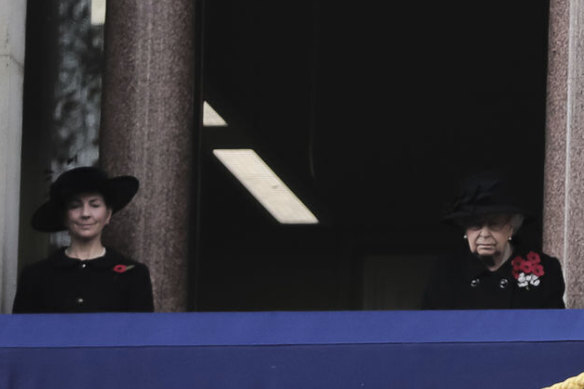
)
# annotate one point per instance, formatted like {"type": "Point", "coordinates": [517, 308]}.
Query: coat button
{"type": "Point", "coordinates": [79, 300]}
{"type": "Point", "coordinates": [474, 283]}
{"type": "Point", "coordinates": [503, 283]}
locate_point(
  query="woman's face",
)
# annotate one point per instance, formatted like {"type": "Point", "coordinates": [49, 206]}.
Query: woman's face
{"type": "Point", "coordinates": [489, 236]}
{"type": "Point", "coordinates": [86, 216]}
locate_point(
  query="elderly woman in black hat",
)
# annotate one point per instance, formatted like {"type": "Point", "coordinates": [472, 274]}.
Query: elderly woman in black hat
{"type": "Point", "coordinates": [86, 276]}
{"type": "Point", "coordinates": [492, 271]}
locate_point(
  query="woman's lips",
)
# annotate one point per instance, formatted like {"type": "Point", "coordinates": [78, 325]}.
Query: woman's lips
{"type": "Point", "coordinates": [85, 225]}
{"type": "Point", "coordinates": [486, 246]}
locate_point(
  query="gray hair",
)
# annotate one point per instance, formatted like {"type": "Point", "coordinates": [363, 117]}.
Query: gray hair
{"type": "Point", "coordinates": [516, 222]}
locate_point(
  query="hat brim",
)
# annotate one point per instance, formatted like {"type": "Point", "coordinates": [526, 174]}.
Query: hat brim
{"type": "Point", "coordinates": [476, 212]}
{"type": "Point", "coordinates": [118, 191]}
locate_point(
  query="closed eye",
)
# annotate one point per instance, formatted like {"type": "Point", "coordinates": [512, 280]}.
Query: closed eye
{"type": "Point", "coordinates": [74, 205]}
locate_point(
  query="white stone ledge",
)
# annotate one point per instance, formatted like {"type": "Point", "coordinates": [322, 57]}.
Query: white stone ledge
{"type": "Point", "coordinates": [12, 28]}
{"type": "Point", "coordinates": [11, 89]}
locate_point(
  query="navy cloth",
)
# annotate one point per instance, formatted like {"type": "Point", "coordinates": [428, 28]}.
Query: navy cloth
{"type": "Point", "coordinates": [288, 350]}
{"type": "Point", "coordinates": [60, 284]}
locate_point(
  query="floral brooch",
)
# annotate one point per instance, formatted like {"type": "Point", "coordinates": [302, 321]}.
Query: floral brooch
{"type": "Point", "coordinates": [527, 271]}
{"type": "Point", "coordinates": [122, 268]}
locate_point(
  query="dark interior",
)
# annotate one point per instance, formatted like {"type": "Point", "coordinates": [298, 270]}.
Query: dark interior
{"type": "Point", "coordinates": [372, 113]}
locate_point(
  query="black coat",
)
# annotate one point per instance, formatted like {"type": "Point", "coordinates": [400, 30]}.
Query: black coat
{"type": "Point", "coordinates": [60, 284]}
{"type": "Point", "coordinates": [462, 281]}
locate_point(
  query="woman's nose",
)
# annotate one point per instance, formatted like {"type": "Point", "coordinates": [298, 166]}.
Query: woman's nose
{"type": "Point", "coordinates": [85, 210]}
{"type": "Point", "coordinates": [485, 231]}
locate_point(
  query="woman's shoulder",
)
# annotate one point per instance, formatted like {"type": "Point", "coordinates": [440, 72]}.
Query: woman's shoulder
{"type": "Point", "coordinates": [532, 259]}
{"type": "Point", "coordinates": [55, 255]}
{"type": "Point", "coordinates": [122, 261]}
{"type": "Point", "coordinates": [43, 265]}
{"type": "Point", "coordinates": [535, 255]}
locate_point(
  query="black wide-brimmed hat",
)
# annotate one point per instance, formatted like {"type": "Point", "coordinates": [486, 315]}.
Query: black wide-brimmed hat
{"type": "Point", "coordinates": [486, 193]}
{"type": "Point", "coordinates": [117, 193]}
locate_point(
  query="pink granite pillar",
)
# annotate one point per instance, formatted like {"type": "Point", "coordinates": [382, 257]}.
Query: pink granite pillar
{"type": "Point", "coordinates": [564, 164]}
{"type": "Point", "coordinates": [147, 130]}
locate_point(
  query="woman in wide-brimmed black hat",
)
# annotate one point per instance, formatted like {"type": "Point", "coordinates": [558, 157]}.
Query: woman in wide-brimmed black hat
{"type": "Point", "coordinates": [492, 271]}
{"type": "Point", "coordinates": [86, 276]}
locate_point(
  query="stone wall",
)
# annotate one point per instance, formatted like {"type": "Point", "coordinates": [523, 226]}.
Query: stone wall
{"type": "Point", "coordinates": [564, 173]}
{"type": "Point", "coordinates": [12, 40]}
{"type": "Point", "coordinates": [148, 130]}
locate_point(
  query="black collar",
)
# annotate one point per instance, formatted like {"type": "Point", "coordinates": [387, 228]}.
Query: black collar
{"type": "Point", "coordinates": [60, 259]}
{"type": "Point", "coordinates": [474, 268]}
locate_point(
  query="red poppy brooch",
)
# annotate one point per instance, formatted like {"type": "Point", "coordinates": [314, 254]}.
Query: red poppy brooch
{"type": "Point", "coordinates": [527, 271]}
{"type": "Point", "coordinates": [122, 268]}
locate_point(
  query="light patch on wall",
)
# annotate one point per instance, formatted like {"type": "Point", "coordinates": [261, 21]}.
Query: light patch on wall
{"type": "Point", "coordinates": [257, 177]}
{"type": "Point", "coordinates": [211, 118]}
{"type": "Point", "coordinates": [97, 12]}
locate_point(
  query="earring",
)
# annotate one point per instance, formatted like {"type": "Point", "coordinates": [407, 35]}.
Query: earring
{"type": "Point", "coordinates": [465, 236]}
{"type": "Point", "coordinates": [510, 238]}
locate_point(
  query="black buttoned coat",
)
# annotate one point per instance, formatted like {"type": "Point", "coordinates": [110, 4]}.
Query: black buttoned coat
{"type": "Point", "coordinates": [462, 281]}
{"type": "Point", "coordinates": [60, 284]}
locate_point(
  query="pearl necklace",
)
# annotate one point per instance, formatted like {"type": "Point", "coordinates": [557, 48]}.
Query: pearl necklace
{"type": "Point", "coordinates": [101, 254]}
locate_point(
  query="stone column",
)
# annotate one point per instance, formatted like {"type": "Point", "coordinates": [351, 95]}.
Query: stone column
{"type": "Point", "coordinates": [12, 34]}
{"type": "Point", "coordinates": [564, 164]}
{"type": "Point", "coordinates": [148, 131]}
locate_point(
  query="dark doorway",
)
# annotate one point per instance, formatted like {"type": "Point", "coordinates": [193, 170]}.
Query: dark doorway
{"type": "Point", "coordinates": [371, 114]}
